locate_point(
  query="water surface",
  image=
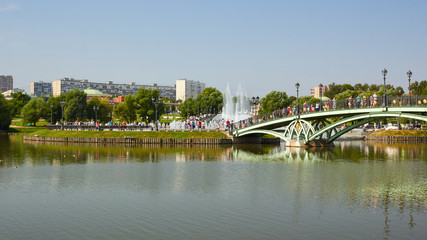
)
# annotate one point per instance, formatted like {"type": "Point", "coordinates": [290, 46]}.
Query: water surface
{"type": "Point", "coordinates": [355, 190]}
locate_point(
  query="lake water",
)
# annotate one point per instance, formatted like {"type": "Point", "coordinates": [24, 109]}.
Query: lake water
{"type": "Point", "coordinates": [355, 190]}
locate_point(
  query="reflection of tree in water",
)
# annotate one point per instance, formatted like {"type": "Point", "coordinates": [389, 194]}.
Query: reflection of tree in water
{"type": "Point", "coordinates": [11, 151]}
{"type": "Point", "coordinates": [393, 199]}
{"type": "Point", "coordinates": [84, 153]}
{"type": "Point", "coordinates": [361, 150]}
{"type": "Point", "coordinates": [389, 177]}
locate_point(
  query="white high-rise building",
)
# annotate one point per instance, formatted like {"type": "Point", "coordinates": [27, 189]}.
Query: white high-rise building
{"type": "Point", "coordinates": [186, 89]}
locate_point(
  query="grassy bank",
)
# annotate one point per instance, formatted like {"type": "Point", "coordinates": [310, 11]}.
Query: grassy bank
{"type": "Point", "coordinates": [24, 130]}
{"type": "Point", "coordinates": [20, 123]}
{"type": "Point", "coordinates": [122, 134]}
{"type": "Point", "coordinates": [406, 133]}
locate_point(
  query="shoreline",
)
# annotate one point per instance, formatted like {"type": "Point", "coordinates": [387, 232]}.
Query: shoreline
{"type": "Point", "coordinates": [145, 141]}
{"type": "Point", "coordinates": [196, 137]}
{"type": "Point", "coordinates": [130, 140]}
{"type": "Point", "coordinates": [411, 139]}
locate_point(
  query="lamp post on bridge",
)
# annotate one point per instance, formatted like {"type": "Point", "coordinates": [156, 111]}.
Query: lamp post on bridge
{"type": "Point", "coordinates": [384, 72]}
{"type": "Point", "coordinates": [409, 73]}
{"type": "Point", "coordinates": [297, 106]}
{"type": "Point", "coordinates": [255, 101]}
{"type": "Point", "coordinates": [62, 102]}
{"type": "Point", "coordinates": [320, 94]}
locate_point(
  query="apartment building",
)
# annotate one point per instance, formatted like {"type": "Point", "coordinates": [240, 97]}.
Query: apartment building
{"type": "Point", "coordinates": [65, 85]}
{"type": "Point", "coordinates": [6, 83]}
{"type": "Point", "coordinates": [41, 89]}
{"type": "Point", "coordinates": [319, 90]}
{"type": "Point", "coordinates": [8, 94]}
{"type": "Point", "coordinates": [186, 89]}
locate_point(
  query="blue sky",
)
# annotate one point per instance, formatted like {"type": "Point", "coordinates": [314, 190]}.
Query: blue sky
{"type": "Point", "coordinates": [263, 45]}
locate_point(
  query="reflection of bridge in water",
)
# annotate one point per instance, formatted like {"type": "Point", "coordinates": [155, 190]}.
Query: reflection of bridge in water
{"type": "Point", "coordinates": [324, 127]}
{"type": "Point", "coordinates": [288, 155]}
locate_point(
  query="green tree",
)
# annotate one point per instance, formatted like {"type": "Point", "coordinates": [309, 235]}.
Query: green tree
{"type": "Point", "coordinates": [75, 105]}
{"type": "Point", "coordinates": [275, 100]}
{"type": "Point", "coordinates": [210, 100]}
{"type": "Point", "coordinates": [419, 88]}
{"type": "Point", "coordinates": [18, 101]}
{"type": "Point", "coordinates": [104, 111]}
{"type": "Point", "coordinates": [33, 110]}
{"type": "Point", "coordinates": [55, 110]}
{"type": "Point", "coordinates": [335, 89]}
{"type": "Point", "coordinates": [346, 94]}
{"type": "Point", "coordinates": [145, 106]}
{"type": "Point", "coordinates": [188, 108]}
{"type": "Point", "coordinates": [303, 99]}
{"type": "Point", "coordinates": [5, 113]}
{"type": "Point", "coordinates": [126, 111]}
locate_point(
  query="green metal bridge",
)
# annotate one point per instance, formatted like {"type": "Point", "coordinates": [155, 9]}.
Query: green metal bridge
{"type": "Point", "coordinates": [318, 125]}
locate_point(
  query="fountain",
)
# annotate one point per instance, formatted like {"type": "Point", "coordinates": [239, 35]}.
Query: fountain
{"type": "Point", "coordinates": [236, 107]}
{"type": "Point", "coordinates": [236, 110]}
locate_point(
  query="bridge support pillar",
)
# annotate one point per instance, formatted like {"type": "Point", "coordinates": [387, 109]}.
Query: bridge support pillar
{"type": "Point", "coordinates": [296, 143]}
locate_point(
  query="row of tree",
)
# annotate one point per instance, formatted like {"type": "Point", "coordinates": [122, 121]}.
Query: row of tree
{"type": "Point", "coordinates": [209, 101]}
{"type": "Point", "coordinates": [277, 100]}
{"type": "Point", "coordinates": [73, 106]}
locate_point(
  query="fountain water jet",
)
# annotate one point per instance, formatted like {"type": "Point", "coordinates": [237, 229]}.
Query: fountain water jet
{"type": "Point", "coordinates": [237, 107]}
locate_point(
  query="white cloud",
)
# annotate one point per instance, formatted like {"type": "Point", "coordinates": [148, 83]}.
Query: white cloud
{"type": "Point", "coordinates": [8, 7]}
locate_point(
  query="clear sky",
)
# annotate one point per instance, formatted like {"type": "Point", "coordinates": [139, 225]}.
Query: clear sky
{"type": "Point", "coordinates": [264, 45]}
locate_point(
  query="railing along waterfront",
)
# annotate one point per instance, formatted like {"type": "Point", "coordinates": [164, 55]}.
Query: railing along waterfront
{"type": "Point", "coordinates": [333, 105]}
{"type": "Point", "coordinates": [74, 127]}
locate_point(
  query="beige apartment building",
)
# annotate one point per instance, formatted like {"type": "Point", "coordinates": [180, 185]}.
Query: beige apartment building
{"type": "Point", "coordinates": [186, 89]}
{"type": "Point", "coordinates": [317, 91]}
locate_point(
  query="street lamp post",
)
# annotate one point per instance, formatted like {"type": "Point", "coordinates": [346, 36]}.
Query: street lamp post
{"type": "Point", "coordinates": [297, 86]}
{"type": "Point", "coordinates": [384, 71]}
{"type": "Point", "coordinates": [51, 113]}
{"type": "Point", "coordinates": [62, 102]}
{"type": "Point", "coordinates": [95, 108]}
{"type": "Point", "coordinates": [409, 73]}
{"type": "Point", "coordinates": [167, 116]}
{"type": "Point", "coordinates": [255, 101]}
{"type": "Point", "coordinates": [320, 94]}
{"type": "Point", "coordinates": [155, 102]}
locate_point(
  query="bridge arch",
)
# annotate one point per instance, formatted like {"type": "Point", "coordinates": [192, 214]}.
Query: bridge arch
{"type": "Point", "coordinates": [265, 132]}
{"type": "Point", "coordinates": [366, 118]}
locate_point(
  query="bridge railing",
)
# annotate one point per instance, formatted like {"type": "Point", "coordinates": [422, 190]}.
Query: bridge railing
{"type": "Point", "coordinates": [100, 127]}
{"type": "Point", "coordinates": [333, 105]}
